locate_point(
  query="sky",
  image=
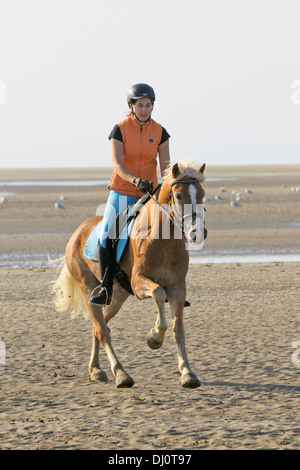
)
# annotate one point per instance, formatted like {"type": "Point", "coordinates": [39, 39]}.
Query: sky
{"type": "Point", "coordinates": [226, 76]}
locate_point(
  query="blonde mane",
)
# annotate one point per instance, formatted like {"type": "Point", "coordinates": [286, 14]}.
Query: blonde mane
{"type": "Point", "coordinates": [186, 167]}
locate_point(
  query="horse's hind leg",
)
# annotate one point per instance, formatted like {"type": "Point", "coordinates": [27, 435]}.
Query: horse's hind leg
{"type": "Point", "coordinates": [123, 379]}
{"type": "Point", "coordinates": [96, 373]}
{"type": "Point", "coordinates": [145, 288]}
{"type": "Point", "coordinates": [101, 334]}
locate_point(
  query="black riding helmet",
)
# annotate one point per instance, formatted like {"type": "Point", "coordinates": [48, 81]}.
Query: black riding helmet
{"type": "Point", "coordinates": [138, 91]}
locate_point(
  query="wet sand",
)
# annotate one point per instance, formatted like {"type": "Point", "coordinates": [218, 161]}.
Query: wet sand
{"type": "Point", "coordinates": [240, 329]}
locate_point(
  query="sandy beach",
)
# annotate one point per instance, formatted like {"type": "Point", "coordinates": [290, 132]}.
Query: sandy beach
{"type": "Point", "coordinates": [241, 330]}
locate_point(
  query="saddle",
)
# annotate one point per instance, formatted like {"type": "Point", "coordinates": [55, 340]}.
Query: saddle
{"type": "Point", "coordinates": [118, 237]}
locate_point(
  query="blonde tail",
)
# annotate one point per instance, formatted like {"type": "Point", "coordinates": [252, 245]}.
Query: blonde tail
{"type": "Point", "coordinates": [67, 295]}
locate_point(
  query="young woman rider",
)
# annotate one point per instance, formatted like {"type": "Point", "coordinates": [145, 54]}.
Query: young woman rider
{"type": "Point", "coordinates": [135, 144]}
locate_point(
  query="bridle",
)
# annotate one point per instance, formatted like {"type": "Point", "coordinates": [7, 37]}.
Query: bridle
{"type": "Point", "coordinates": [176, 216]}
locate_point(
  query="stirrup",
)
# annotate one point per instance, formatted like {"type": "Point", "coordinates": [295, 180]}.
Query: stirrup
{"type": "Point", "coordinates": [103, 297]}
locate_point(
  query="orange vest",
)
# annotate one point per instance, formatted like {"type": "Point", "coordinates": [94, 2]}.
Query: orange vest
{"type": "Point", "coordinates": [140, 154]}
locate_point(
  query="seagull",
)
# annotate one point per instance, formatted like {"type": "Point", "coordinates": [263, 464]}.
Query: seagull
{"type": "Point", "coordinates": [235, 204]}
{"type": "Point", "coordinates": [219, 198]}
{"type": "Point", "coordinates": [59, 206]}
{"type": "Point", "coordinates": [62, 198]}
{"type": "Point", "coordinates": [2, 199]}
{"type": "Point", "coordinates": [249, 191]}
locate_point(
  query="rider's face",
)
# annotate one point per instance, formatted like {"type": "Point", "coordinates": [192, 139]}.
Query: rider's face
{"type": "Point", "coordinates": [142, 109]}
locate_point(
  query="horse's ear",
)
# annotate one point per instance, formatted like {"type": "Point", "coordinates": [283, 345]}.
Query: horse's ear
{"type": "Point", "coordinates": [175, 170]}
{"type": "Point", "coordinates": [202, 168]}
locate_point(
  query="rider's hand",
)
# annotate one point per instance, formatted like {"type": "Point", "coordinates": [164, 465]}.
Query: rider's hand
{"type": "Point", "coordinates": [144, 186]}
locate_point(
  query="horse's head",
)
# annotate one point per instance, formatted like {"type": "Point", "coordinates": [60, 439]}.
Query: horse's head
{"type": "Point", "coordinates": [185, 200]}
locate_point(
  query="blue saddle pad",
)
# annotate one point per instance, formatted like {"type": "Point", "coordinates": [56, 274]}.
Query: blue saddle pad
{"type": "Point", "coordinates": [91, 249]}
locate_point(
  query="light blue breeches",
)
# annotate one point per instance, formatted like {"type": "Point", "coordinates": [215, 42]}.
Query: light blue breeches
{"type": "Point", "coordinates": [115, 203]}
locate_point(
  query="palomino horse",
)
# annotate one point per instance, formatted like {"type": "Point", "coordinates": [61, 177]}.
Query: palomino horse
{"type": "Point", "coordinates": [155, 266]}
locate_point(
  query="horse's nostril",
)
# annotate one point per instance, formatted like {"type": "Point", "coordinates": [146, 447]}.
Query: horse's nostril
{"type": "Point", "coordinates": [193, 235]}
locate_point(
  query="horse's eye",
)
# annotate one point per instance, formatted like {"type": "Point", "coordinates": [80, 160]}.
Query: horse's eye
{"type": "Point", "coordinates": [178, 196]}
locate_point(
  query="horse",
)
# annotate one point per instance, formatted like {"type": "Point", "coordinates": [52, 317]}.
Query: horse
{"type": "Point", "coordinates": [155, 266]}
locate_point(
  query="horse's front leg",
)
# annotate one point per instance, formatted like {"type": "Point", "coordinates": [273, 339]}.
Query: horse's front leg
{"type": "Point", "coordinates": [188, 377]}
{"type": "Point", "coordinates": [145, 288]}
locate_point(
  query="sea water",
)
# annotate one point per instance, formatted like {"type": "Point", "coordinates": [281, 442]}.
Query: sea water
{"type": "Point", "coordinates": [35, 260]}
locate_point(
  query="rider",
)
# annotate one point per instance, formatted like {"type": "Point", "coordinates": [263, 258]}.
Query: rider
{"type": "Point", "coordinates": [135, 144]}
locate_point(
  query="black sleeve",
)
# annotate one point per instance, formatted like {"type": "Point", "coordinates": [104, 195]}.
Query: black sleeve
{"type": "Point", "coordinates": [165, 136]}
{"type": "Point", "coordinates": [116, 133]}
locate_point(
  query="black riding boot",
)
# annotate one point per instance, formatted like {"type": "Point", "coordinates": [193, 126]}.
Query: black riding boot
{"type": "Point", "coordinates": [102, 294]}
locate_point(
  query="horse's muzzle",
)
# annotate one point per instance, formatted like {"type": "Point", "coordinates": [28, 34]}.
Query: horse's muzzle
{"type": "Point", "coordinates": [193, 229]}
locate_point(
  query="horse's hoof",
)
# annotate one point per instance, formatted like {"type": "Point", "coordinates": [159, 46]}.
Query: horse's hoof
{"type": "Point", "coordinates": [190, 380]}
{"type": "Point", "coordinates": [152, 343]}
{"type": "Point", "coordinates": [98, 376]}
{"type": "Point", "coordinates": [124, 381]}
